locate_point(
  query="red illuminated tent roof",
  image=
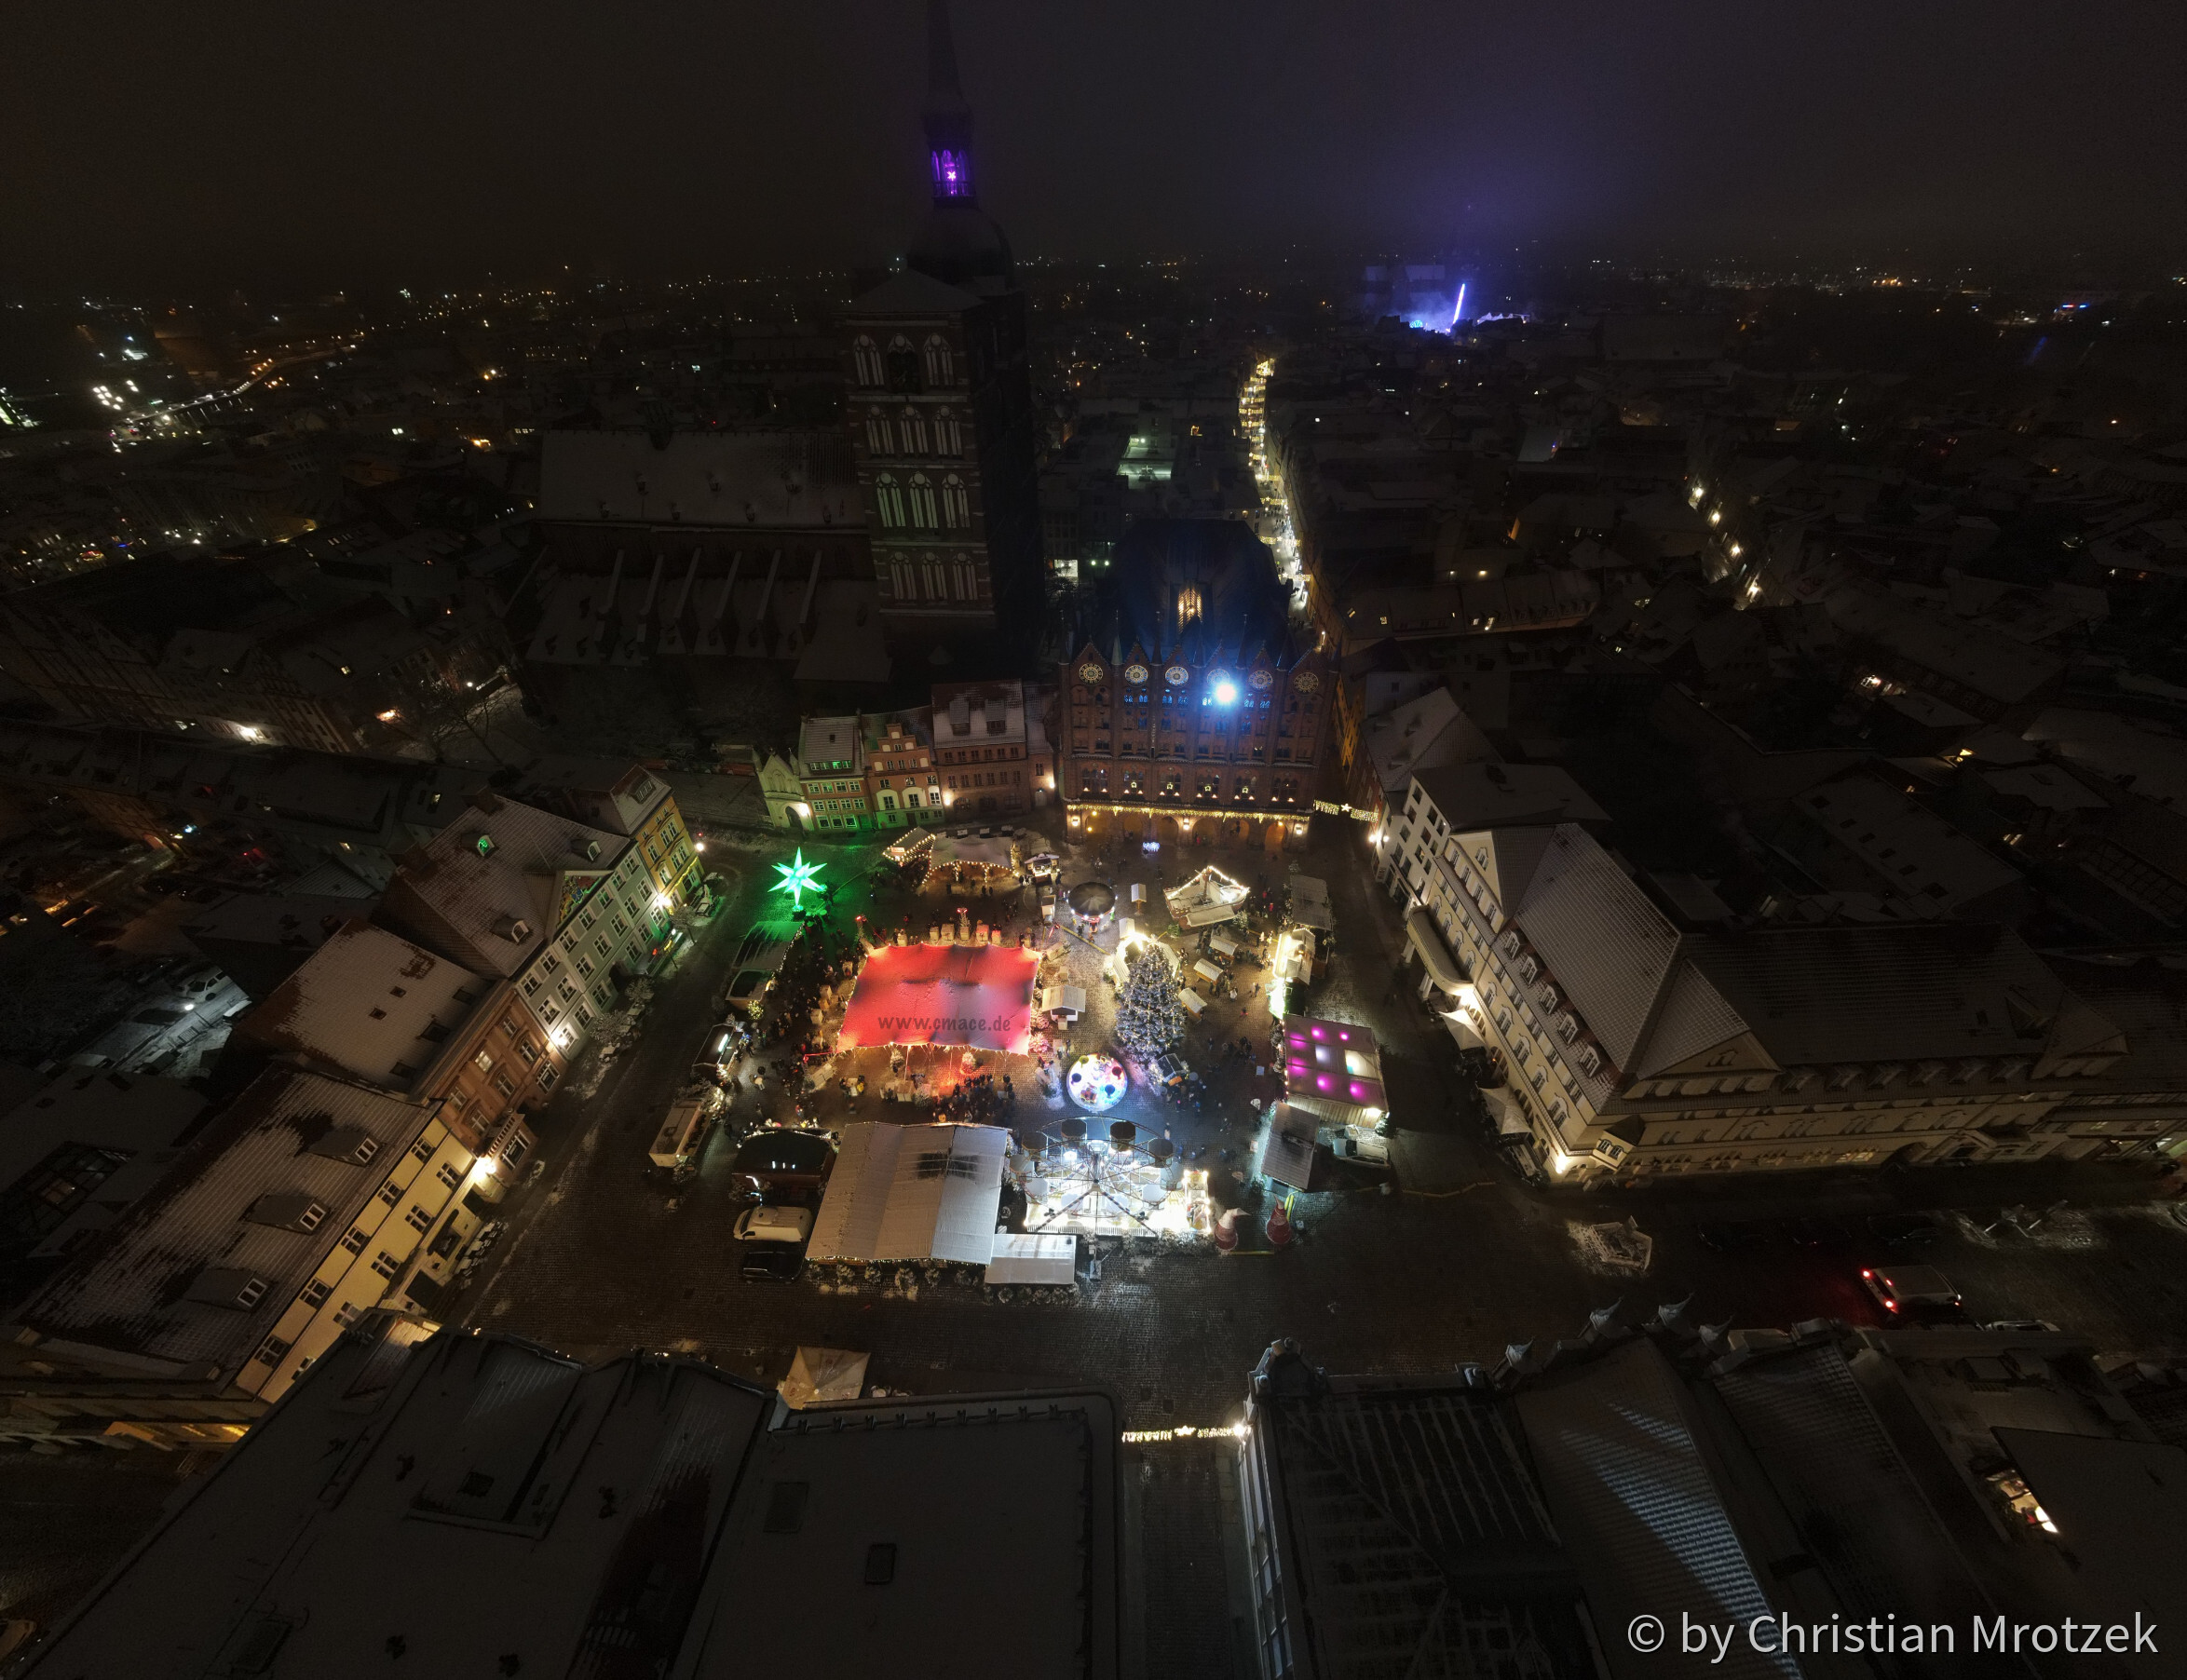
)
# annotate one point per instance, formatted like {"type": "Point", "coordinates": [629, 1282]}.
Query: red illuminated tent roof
{"type": "Point", "coordinates": [979, 996]}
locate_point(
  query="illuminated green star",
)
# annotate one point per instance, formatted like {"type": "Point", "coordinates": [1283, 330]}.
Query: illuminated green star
{"type": "Point", "coordinates": [799, 878]}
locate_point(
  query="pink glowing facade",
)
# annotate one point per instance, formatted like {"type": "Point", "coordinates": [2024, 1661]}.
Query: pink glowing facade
{"type": "Point", "coordinates": [1333, 1068]}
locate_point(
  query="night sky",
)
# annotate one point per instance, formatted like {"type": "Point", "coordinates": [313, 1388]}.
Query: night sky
{"type": "Point", "coordinates": [153, 145]}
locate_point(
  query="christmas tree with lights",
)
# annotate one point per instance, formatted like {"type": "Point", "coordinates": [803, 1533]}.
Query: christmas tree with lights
{"type": "Point", "coordinates": [1149, 1017]}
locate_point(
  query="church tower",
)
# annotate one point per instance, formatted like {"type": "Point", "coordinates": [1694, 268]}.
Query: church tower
{"type": "Point", "coordinates": [939, 402]}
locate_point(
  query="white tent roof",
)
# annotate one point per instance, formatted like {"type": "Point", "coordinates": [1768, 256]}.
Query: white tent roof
{"type": "Point", "coordinates": [991, 850]}
{"type": "Point", "coordinates": [1286, 1155]}
{"type": "Point", "coordinates": [1208, 897]}
{"type": "Point", "coordinates": [1309, 903]}
{"type": "Point", "coordinates": [912, 1193]}
{"type": "Point", "coordinates": [917, 841]}
{"type": "Point", "coordinates": [818, 1374]}
{"type": "Point", "coordinates": [1021, 1257]}
{"type": "Point", "coordinates": [1062, 997]}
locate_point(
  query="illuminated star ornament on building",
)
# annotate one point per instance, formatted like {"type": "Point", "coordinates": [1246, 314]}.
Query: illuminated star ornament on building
{"type": "Point", "coordinates": [799, 878]}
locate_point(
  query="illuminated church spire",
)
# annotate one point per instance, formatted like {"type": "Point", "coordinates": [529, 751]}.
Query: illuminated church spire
{"type": "Point", "coordinates": [948, 115]}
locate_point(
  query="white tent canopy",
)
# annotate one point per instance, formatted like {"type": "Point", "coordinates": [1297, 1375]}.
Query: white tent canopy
{"type": "Point", "coordinates": [1062, 997]}
{"type": "Point", "coordinates": [1209, 897]}
{"type": "Point", "coordinates": [912, 1193]}
{"type": "Point", "coordinates": [820, 1374]}
{"type": "Point", "coordinates": [1309, 903]}
{"type": "Point", "coordinates": [910, 845]}
{"type": "Point", "coordinates": [1021, 1257]}
{"type": "Point", "coordinates": [992, 850]}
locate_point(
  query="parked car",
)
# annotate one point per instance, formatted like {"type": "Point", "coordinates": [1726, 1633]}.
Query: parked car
{"type": "Point", "coordinates": [780, 1161]}
{"type": "Point", "coordinates": [1910, 1293]}
{"type": "Point", "coordinates": [770, 1223]}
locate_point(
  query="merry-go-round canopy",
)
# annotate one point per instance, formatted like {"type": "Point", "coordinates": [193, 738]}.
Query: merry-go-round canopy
{"type": "Point", "coordinates": [976, 995]}
{"type": "Point", "coordinates": [1091, 899]}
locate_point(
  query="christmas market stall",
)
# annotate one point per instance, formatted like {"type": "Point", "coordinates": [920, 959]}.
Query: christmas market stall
{"type": "Point", "coordinates": [977, 996]}
{"type": "Point", "coordinates": [1310, 905]}
{"type": "Point", "coordinates": [1208, 898]}
{"type": "Point", "coordinates": [1333, 1069]}
{"type": "Point", "coordinates": [912, 1193]}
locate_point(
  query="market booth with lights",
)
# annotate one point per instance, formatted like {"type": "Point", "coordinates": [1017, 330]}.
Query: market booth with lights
{"type": "Point", "coordinates": [1334, 1069]}
{"type": "Point", "coordinates": [979, 996]}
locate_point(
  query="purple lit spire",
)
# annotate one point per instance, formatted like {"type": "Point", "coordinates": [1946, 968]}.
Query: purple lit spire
{"type": "Point", "coordinates": [948, 117]}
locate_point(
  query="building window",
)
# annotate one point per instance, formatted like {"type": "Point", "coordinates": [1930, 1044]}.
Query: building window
{"type": "Point", "coordinates": [274, 1352]}
{"type": "Point", "coordinates": [390, 1194]}
{"type": "Point", "coordinates": [422, 1149]}
{"type": "Point", "coordinates": [949, 438]}
{"type": "Point", "coordinates": [913, 426]}
{"type": "Point", "coordinates": [879, 437]}
{"type": "Point", "coordinates": [902, 365]}
{"type": "Point", "coordinates": [483, 1062]}
{"type": "Point", "coordinates": [503, 1085]}
{"type": "Point", "coordinates": [889, 500]}
{"type": "Point", "coordinates": [348, 1314]}
{"type": "Point", "coordinates": [417, 1218]}
{"type": "Point", "coordinates": [866, 357]}
{"type": "Point", "coordinates": [355, 1241]}
{"type": "Point", "coordinates": [940, 364]}
{"type": "Point", "coordinates": [921, 499]}
{"type": "Point", "coordinates": [315, 1294]}
{"type": "Point", "coordinates": [956, 504]}
{"type": "Point", "coordinates": [386, 1264]}
{"type": "Point", "coordinates": [450, 1174]}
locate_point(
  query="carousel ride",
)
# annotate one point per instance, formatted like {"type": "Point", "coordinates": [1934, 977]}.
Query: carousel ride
{"type": "Point", "coordinates": [1097, 1082]}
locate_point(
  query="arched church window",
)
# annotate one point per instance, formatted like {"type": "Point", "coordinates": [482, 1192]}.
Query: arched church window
{"type": "Point", "coordinates": [866, 355]}
{"type": "Point", "coordinates": [923, 502]}
{"type": "Point", "coordinates": [913, 426]}
{"type": "Point", "coordinates": [904, 372]}
{"type": "Point", "coordinates": [890, 501]}
{"type": "Point", "coordinates": [879, 434]}
{"type": "Point", "coordinates": [941, 363]}
{"type": "Point", "coordinates": [957, 504]}
{"type": "Point", "coordinates": [948, 437]}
